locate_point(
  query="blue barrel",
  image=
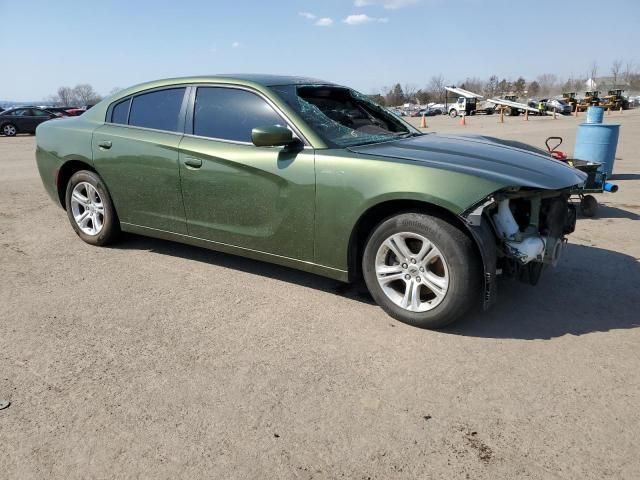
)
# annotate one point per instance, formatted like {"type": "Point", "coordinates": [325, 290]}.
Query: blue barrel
{"type": "Point", "coordinates": [595, 114]}
{"type": "Point", "coordinates": [597, 142]}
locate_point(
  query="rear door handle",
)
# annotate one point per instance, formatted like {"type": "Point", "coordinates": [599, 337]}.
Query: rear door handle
{"type": "Point", "coordinates": [193, 162]}
{"type": "Point", "coordinates": [106, 144]}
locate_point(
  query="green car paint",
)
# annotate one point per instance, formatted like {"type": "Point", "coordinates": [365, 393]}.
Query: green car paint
{"type": "Point", "coordinates": [295, 207]}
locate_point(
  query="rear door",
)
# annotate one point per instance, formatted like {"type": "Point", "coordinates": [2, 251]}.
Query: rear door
{"type": "Point", "coordinates": [136, 153]}
{"type": "Point", "coordinates": [260, 198]}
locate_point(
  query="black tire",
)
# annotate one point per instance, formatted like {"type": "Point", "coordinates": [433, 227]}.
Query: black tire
{"type": "Point", "coordinates": [462, 261]}
{"type": "Point", "coordinates": [110, 224]}
{"type": "Point", "coordinates": [9, 130]}
{"type": "Point", "coordinates": [453, 113]}
{"type": "Point", "coordinates": [589, 206]}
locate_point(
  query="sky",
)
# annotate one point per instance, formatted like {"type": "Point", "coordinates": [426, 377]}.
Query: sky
{"type": "Point", "coordinates": [366, 44]}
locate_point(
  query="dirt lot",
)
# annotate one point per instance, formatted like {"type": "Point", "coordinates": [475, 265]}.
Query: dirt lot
{"type": "Point", "coordinates": [156, 360]}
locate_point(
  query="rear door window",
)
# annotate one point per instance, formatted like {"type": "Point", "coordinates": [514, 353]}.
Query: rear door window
{"type": "Point", "coordinates": [231, 113]}
{"type": "Point", "coordinates": [159, 110]}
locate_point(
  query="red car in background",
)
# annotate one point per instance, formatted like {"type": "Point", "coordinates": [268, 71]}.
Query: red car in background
{"type": "Point", "coordinates": [74, 112]}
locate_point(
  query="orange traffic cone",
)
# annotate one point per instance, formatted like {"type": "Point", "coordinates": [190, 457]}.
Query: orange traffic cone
{"type": "Point", "coordinates": [526, 115]}
{"type": "Point", "coordinates": [462, 120]}
{"type": "Point", "coordinates": [423, 123]}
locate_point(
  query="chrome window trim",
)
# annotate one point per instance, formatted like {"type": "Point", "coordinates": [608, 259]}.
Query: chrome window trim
{"type": "Point", "coordinates": [181, 134]}
{"type": "Point", "coordinates": [238, 142]}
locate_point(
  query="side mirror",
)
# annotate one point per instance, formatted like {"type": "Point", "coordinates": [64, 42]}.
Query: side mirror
{"type": "Point", "coordinates": [271, 136]}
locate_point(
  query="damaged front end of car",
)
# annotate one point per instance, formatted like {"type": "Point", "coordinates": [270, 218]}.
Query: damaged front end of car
{"type": "Point", "coordinates": [520, 231]}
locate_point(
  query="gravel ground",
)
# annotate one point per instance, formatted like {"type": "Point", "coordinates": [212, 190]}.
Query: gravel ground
{"type": "Point", "coordinates": [157, 360]}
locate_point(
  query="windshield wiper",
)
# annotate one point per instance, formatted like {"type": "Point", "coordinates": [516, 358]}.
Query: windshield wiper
{"type": "Point", "coordinates": [407, 134]}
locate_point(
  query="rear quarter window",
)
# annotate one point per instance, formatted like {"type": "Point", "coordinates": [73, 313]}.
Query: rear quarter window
{"type": "Point", "coordinates": [120, 112]}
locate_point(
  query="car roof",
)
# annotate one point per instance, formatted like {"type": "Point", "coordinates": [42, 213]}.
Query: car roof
{"type": "Point", "coordinates": [268, 80]}
{"type": "Point", "coordinates": [252, 79]}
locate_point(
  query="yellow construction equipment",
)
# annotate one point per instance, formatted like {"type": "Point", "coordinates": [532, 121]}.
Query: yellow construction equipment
{"type": "Point", "coordinates": [614, 100]}
{"type": "Point", "coordinates": [590, 99]}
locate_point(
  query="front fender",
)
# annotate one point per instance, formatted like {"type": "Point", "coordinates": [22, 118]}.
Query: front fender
{"type": "Point", "coordinates": [349, 184]}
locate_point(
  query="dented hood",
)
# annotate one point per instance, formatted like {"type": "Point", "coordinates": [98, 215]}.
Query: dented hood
{"type": "Point", "coordinates": [503, 161]}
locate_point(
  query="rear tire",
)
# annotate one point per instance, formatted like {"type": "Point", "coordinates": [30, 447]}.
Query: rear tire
{"type": "Point", "coordinates": [90, 209]}
{"type": "Point", "coordinates": [422, 270]}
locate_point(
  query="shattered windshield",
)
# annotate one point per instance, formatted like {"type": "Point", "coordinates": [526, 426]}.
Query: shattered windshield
{"type": "Point", "coordinates": [343, 117]}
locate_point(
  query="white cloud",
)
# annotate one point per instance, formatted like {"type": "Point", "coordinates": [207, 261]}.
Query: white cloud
{"type": "Point", "coordinates": [324, 22]}
{"type": "Point", "coordinates": [235, 44]}
{"type": "Point", "coordinates": [361, 19]}
{"type": "Point", "coordinates": [388, 4]}
{"type": "Point", "coordinates": [308, 15]}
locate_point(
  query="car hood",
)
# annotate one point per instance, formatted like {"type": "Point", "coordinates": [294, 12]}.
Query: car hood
{"type": "Point", "coordinates": [503, 161]}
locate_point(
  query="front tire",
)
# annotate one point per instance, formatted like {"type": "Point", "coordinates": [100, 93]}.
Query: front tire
{"type": "Point", "coordinates": [422, 270]}
{"type": "Point", "coordinates": [90, 209]}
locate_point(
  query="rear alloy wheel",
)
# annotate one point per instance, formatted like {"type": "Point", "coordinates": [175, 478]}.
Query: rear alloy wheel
{"type": "Point", "coordinates": [9, 130]}
{"type": "Point", "coordinates": [90, 210]}
{"type": "Point", "coordinates": [422, 270]}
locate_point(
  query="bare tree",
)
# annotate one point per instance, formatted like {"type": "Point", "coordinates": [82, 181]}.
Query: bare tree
{"type": "Point", "coordinates": [436, 87]}
{"type": "Point", "coordinates": [473, 84]}
{"type": "Point", "coordinates": [616, 68]}
{"type": "Point", "coordinates": [410, 92]}
{"type": "Point", "coordinates": [65, 97]}
{"type": "Point", "coordinates": [491, 87]}
{"type": "Point", "coordinates": [548, 83]}
{"type": "Point", "coordinates": [85, 94]}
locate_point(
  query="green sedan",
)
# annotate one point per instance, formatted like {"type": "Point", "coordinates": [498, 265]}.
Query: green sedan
{"type": "Point", "coordinates": [312, 175]}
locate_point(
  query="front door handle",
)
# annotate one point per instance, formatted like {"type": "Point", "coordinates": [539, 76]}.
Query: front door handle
{"type": "Point", "coordinates": [106, 144]}
{"type": "Point", "coordinates": [193, 162]}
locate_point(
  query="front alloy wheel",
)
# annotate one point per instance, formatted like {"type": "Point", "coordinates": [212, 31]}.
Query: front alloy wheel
{"type": "Point", "coordinates": [412, 272]}
{"type": "Point", "coordinates": [422, 269]}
